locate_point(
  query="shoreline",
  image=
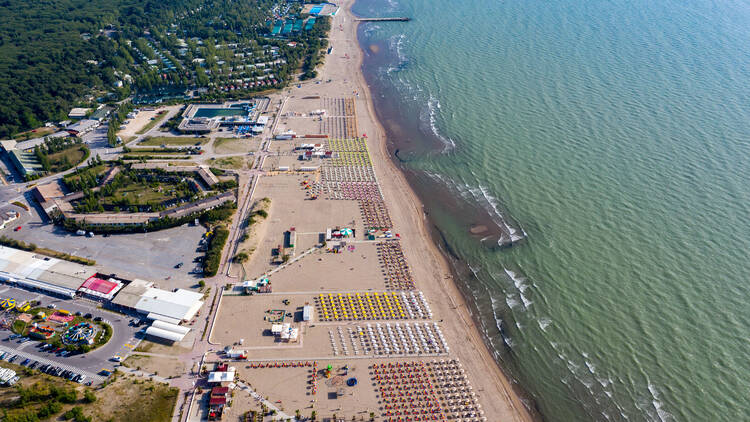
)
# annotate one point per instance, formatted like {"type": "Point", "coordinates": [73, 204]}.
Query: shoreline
{"type": "Point", "coordinates": [411, 209]}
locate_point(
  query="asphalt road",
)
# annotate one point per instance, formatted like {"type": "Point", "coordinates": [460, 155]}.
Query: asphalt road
{"type": "Point", "coordinates": [123, 339]}
{"type": "Point", "coordinates": [150, 256]}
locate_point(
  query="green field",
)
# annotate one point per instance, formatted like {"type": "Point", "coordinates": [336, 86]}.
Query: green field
{"type": "Point", "coordinates": [173, 140]}
{"type": "Point", "coordinates": [150, 125]}
{"type": "Point", "coordinates": [137, 194]}
{"type": "Point", "coordinates": [67, 158]}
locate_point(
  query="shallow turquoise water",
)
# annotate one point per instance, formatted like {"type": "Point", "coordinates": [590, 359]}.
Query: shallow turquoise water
{"type": "Point", "coordinates": [219, 112]}
{"type": "Point", "coordinates": [616, 135]}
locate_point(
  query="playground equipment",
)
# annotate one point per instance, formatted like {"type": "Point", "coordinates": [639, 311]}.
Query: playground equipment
{"type": "Point", "coordinates": [275, 315]}
{"type": "Point", "coordinates": [81, 333]}
{"type": "Point", "coordinates": [8, 303]}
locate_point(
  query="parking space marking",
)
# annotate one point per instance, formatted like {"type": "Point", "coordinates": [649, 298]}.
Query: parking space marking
{"type": "Point", "coordinates": [44, 361]}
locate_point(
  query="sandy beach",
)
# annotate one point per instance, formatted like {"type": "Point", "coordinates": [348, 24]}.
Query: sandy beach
{"type": "Point", "coordinates": [386, 309]}
{"type": "Point", "coordinates": [431, 270]}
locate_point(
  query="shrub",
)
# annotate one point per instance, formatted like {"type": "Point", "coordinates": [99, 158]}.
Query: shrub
{"type": "Point", "coordinates": [89, 396]}
{"type": "Point", "coordinates": [213, 255]}
{"type": "Point", "coordinates": [76, 414]}
{"type": "Point", "coordinates": [68, 396]}
{"type": "Point", "coordinates": [49, 409]}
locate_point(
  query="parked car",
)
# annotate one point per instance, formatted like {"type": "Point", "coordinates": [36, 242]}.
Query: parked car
{"type": "Point", "coordinates": [98, 319]}
{"type": "Point", "coordinates": [17, 229]}
{"type": "Point", "coordinates": [79, 313]}
{"type": "Point", "coordinates": [88, 316]}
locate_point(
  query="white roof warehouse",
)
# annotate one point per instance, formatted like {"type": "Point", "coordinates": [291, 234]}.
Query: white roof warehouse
{"type": "Point", "coordinates": [41, 272]}
{"type": "Point", "coordinates": [180, 305]}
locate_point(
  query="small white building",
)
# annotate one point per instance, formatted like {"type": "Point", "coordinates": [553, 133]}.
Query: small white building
{"type": "Point", "coordinates": [221, 376]}
{"type": "Point", "coordinates": [307, 313]}
{"type": "Point", "coordinates": [78, 113]}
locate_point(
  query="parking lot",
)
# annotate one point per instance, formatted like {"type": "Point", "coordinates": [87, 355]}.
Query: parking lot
{"type": "Point", "coordinates": [124, 337]}
{"type": "Point", "coordinates": [150, 256]}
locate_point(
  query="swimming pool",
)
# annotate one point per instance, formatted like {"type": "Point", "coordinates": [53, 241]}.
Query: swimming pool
{"type": "Point", "coordinates": [219, 112]}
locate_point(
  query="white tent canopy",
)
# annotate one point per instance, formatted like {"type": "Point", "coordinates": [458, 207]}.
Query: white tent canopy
{"type": "Point", "coordinates": [165, 334]}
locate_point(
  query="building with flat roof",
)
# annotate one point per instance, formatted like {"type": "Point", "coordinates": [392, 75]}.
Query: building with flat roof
{"type": "Point", "coordinates": [222, 377]}
{"type": "Point", "coordinates": [78, 113]}
{"type": "Point", "coordinates": [26, 162]}
{"type": "Point", "coordinates": [179, 305]}
{"type": "Point", "coordinates": [114, 219]}
{"type": "Point", "coordinates": [48, 191]}
{"type": "Point", "coordinates": [100, 114]}
{"type": "Point", "coordinates": [82, 127]}
{"type": "Point", "coordinates": [41, 272]}
{"type": "Point", "coordinates": [101, 287]}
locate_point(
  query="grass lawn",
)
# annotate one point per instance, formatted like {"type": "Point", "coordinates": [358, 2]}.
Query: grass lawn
{"type": "Point", "coordinates": [150, 125]}
{"type": "Point", "coordinates": [74, 155]}
{"type": "Point", "coordinates": [140, 194]}
{"type": "Point", "coordinates": [174, 140]}
{"type": "Point", "coordinates": [229, 163]}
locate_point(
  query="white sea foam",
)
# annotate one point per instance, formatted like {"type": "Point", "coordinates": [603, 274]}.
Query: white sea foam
{"type": "Point", "coordinates": [544, 323]}
{"type": "Point", "coordinates": [591, 366]}
{"type": "Point", "coordinates": [433, 105]}
{"type": "Point", "coordinates": [526, 302]}
{"type": "Point", "coordinates": [518, 282]}
{"type": "Point", "coordinates": [658, 405]}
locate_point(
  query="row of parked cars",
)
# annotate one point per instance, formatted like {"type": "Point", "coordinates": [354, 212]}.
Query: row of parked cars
{"type": "Point", "coordinates": [46, 368]}
{"type": "Point", "coordinates": [59, 351]}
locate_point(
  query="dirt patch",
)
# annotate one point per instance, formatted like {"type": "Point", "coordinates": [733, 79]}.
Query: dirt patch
{"type": "Point", "coordinates": [162, 366]}
{"type": "Point", "coordinates": [235, 163]}
{"type": "Point", "coordinates": [235, 145]}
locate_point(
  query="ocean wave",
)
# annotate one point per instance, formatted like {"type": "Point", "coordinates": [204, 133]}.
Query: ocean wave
{"type": "Point", "coordinates": [663, 415]}
{"type": "Point", "coordinates": [581, 373]}
{"type": "Point", "coordinates": [544, 323]}
{"type": "Point", "coordinates": [481, 195]}
{"type": "Point", "coordinates": [433, 105]}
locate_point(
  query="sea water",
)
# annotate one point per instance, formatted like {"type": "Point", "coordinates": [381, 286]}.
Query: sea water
{"type": "Point", "coordinates": [610, 142]}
